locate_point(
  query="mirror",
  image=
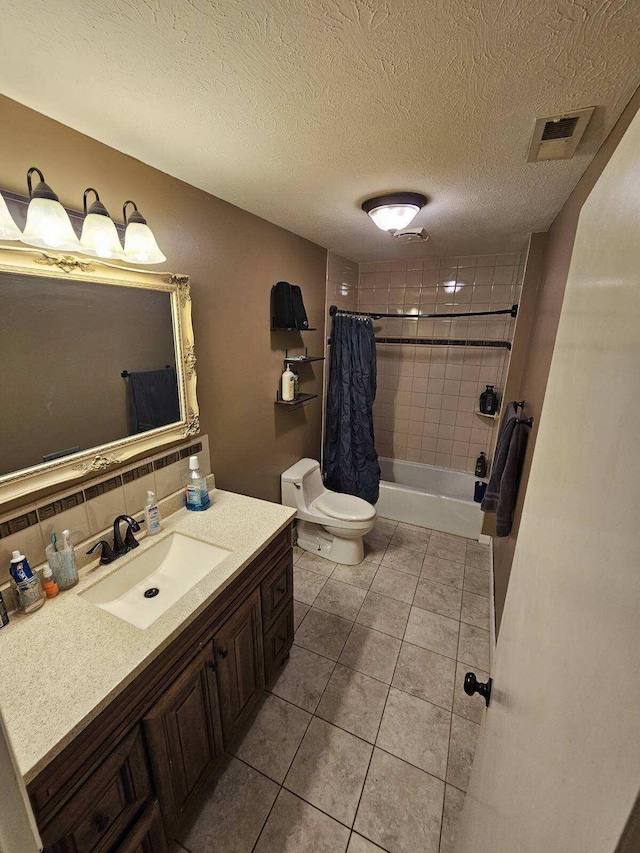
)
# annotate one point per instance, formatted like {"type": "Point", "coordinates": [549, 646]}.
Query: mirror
{"type": "Point", "coordinates": [103, 364]}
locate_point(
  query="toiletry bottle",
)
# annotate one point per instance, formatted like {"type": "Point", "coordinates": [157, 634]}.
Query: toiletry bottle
{"type": "Point", "coordinates": [197, 494]}
{"type": "Point", "coordinates": [296, 383]}
{"type": "Point", "coordinates": [4, 616]}
{"type": "Point", "coordinates": [27, 584]}
{"type": "Point", "coordinates": [51, 588]}
{"type": "Point", "coordinates": [288, 385]}
{"type": "Point", "coordinates": [152, 515]}
{"type": "Point", "coordinates": [489, 401]}
{"type": "Point", "coordinates": [481, 465]}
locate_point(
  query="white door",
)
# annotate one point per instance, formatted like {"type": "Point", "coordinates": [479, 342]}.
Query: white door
{"type": "Point", "coordinates": [18, 832]}
{"type": "Point", "coordinates": [557, 767]}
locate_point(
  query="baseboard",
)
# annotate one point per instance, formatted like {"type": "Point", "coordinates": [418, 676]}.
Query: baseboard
{"type": "Point", "coordinates": [492, 607]}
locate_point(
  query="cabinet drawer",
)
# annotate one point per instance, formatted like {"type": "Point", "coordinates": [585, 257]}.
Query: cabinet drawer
{"type": "Point", "coordinates": [147, 836]}
{"type": "Point", "coordinates": [276, 588]}
{"type": "Point", "coordinates": [107, 804]}
{"type": "Point", "coordinates": [278, 640]}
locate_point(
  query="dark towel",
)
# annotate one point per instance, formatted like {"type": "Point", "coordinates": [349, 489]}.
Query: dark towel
{"type": "Point", "coordinates": [502, 490]}
{"type": "Point", "coordinates": [153, 399]}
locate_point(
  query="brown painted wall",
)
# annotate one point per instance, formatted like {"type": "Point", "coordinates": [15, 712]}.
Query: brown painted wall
{"type": "Point", "coordinates": [545, 280]}
{"type": "Point", "coordinates": [233, 258]}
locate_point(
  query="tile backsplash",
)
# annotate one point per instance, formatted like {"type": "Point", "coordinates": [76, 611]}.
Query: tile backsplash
{"type": "Point", "coordinates": [91, 509]}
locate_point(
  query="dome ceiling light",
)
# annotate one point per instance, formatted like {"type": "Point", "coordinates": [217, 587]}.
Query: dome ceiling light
{"type": "Point", "coordinates": [394, 211]}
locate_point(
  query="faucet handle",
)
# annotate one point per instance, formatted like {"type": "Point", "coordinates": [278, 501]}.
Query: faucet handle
{"type": "Point", "coordinates": [130, 540]}
{"type": "Point", "coordinates": [107, 554]}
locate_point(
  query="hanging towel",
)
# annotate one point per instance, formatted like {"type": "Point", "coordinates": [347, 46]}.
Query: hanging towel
{"type": "Point", "coordinates": [502, 490]}
{"type": "Point", "coordinates": [153, 399]}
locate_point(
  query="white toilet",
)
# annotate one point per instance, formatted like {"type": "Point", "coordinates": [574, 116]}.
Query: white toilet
{"type": "Point", "coordinates": [329, 524]}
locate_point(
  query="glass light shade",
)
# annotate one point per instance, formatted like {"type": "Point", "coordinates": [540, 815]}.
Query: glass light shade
{"type": "Point", "coordinates": [49, 227]}
{"type": "Point", "coordinates": [8, 228]}
{"type": "Point", "coordinates": [393, 217]}
{"type": "Point", "coordinates": [140, 245]}
{"type": "Point", "coordinates": [100, 237]}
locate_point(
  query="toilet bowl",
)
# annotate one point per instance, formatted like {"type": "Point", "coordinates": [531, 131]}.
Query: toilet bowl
{"type": "Point", "coordinates": [329, 524]}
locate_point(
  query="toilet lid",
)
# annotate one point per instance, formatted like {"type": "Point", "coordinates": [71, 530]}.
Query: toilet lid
{"type": "Point", "coordinates": [345, 507]}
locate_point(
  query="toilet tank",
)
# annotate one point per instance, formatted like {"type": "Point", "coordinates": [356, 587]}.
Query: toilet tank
{"type": "Point", "coordinates": [305, 475]}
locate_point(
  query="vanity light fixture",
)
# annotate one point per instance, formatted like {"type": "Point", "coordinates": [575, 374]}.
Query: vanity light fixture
{"type": "Point", "coordinates": [139, 243]}
{"type": "Point", "coordinates": [48, 224]}
{"type": "Point", "coordinates": [8, 228]}
{"type": "Point", "coordinates": [99, 235]}
{"type": "Point", "coordinates": [394, 211]}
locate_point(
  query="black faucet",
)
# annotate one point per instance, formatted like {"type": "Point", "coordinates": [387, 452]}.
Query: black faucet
{"type": "Point", "coordinates": [120, 547]}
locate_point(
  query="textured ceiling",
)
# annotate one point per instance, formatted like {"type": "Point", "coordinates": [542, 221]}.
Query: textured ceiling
{"type": "Point", "coordinates": [297, 110]}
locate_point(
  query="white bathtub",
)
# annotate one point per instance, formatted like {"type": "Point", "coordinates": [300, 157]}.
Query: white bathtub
{"type": "Point", "coordinates": [429, 497]}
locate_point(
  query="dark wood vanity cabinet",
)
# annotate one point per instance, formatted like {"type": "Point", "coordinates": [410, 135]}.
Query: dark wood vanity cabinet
{"type": "Point", "coordinates": [128, 780]}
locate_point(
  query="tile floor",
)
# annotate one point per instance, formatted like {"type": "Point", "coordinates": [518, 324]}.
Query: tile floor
{"type": "Point", "coordinates": [364, 741]}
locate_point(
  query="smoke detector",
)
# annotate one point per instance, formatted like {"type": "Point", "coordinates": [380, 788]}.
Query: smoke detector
{"type": "Point", "coordinates": [557, 137]}
{"type": "Point", "coordinates": [412, 235]}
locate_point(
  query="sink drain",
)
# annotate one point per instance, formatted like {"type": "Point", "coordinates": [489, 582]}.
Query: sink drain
{"type": "Point", "coordinates": [151, 593]}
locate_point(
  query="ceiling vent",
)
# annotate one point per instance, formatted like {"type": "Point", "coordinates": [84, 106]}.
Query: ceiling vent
{"type": "Point", "coordinates": [412, 235]}
{"type": "Point", "coordinates": [557, 137]}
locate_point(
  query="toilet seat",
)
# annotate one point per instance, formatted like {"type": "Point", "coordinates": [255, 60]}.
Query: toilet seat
{"type": "Point", "coordinates": [345, 507]}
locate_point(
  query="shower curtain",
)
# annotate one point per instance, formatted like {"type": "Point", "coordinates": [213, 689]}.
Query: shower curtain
{"type": "Point", "coordinates": [351, 461]}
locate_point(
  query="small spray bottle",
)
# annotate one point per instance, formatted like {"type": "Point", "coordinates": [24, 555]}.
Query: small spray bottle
{"type": "Point", "coordinates": [152, 515]}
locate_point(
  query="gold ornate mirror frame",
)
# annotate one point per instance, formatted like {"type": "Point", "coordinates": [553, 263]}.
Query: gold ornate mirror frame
{"type": "Point", "coordinates": [19, 261]}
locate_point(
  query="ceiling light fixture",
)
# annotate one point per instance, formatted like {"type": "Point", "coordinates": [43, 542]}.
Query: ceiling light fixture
{"type": "Point", "coordinates": [139, 243]}
{"type": "Point", "coordinates": [99, 235]}
{"type": "Point", "coordinates": [8, 228]}
{"type": "Point", "coordinates": [394, 211]}
{"type": "Point", "coordinates": [48, 224]}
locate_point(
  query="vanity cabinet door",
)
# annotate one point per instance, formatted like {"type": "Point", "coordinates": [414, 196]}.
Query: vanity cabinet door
{"type": "Point", "coordinates": [239, 664]}
{"type": "Point", "coordinates": [185, 736]}
{"type": "Point", "coordinates": [278, 639]}
{"type": "Point", "coordinates": [147, 836]}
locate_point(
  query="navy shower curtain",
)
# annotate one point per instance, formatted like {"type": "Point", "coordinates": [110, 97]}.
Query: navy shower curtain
{"type": "Point", "coordinates": [351, 460]}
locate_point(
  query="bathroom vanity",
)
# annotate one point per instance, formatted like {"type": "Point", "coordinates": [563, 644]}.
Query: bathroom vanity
{"type": "Point", "coordinates": [120, 734]}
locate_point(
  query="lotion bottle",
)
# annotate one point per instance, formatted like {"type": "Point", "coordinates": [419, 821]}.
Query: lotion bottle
{"type": "Point", "coordinates": [152, 515]}
{"type": "Point", "coordinates": [288, 385]}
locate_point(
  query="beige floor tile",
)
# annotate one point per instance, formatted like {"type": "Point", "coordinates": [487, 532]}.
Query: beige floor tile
{"type": "Point", "coordinates": [296, 827]}
{"type": "Point", "coordinates": [374, 551]}
{"type": "Point", "coordinates": [416, 731]}
{"type": "Point", "coordinates": [303, 678]}
{"type": "Point", "coordinates": [475, 610]}
{"type": "Point", "coordinates": [383, 530]}
{"type": "Point", "coordinates": [384, 614]}
{"type": "Point", "coordinates": [329, 770]}
{"type": "Point", "coordinates": [300, 610]}
{"type": "Point", "coordinates": [403, 560]}
{"type": "Point", "coordinates": [354, 702]}
{"type": "Point", "coordinates": [473, 646]}
{"type": "Point", "coordinates": [401, 806]}
{"type": "Point", "coordinates": [323, 633]}
{"type": "Point", "coordinates": [358, 844]}
{"type": "Point", "coordinates": [439, 598]}
{"type": "Point", "coordinates": [360, 576]}
{"type": "Point", "coordinates": [478, 555]}
{"type": "Point", "coordinates": [306, 585]}
{"type": "Point", "coordinates": [477, 581]}
{"type": "Point", "coordinates": [371, 652]}
{"type": "Point", "coordinates": [413, 538]}
{"type": "Point", "coordinates": [239, 790]}
{"type": "Point", "coordinates": [274, 735]}
{"type": "Point", "coordinates": [443, 571]}
{"type": "Point", "coordinates": [453, 805]}
{"type": "Point", "coordinates": [297, 553]}
{"type": "Point", "coordinates": [470, 707]}
{"type": "Point", "coordinates": [448, 548]}
{"type": "Point", "coordinates": [462, 746]}
{"type": "Point", "coordinates": [432, 631]}
{"type": "Point", "coordinates": [316, 564]}
{"type": "Point", "coordinates": [425, 674]}
{"type": "Point", "coordinates": [394, 584]}
{"type": "Point", "coordinates": [340, 598]}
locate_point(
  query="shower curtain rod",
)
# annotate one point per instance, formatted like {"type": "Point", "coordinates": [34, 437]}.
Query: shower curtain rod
{"type": "Point", "coordinates": [442, 342]}
{"type": "Point", "coordinates": [333, 310]}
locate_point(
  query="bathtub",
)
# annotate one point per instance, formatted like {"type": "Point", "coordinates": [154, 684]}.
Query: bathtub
{"type": "Point", "coordinates": [429, 497]}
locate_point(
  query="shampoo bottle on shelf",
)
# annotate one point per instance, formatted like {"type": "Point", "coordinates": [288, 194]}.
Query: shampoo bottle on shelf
{"type": "Point", "coordinates": [481, 465]}
{"type": "Point", "coordinates": [488, 403]}
{"type": "Point", "coordinates": [152, 515]}
{"type": "Point", "coordinates": [288, 385]}
{"type": "Point", "coordinates": [197, 494]}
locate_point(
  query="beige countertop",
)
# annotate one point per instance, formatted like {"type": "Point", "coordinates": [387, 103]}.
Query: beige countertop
{"type": "Point", "coordinates": [60, 666]}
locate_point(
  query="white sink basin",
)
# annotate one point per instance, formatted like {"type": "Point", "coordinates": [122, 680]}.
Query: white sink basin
{"type": "Point", "coordinates": [165, 572]}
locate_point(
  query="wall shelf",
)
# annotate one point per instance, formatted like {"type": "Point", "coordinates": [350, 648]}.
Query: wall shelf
{"type": "Point", "coordinates": [292, 329]}
{"type": "Point", "coordinates": [483, 415]}
{"type": "Point", "coordinates": [297, 402]}
{"type": "Point", "coordinates": [301, 359]}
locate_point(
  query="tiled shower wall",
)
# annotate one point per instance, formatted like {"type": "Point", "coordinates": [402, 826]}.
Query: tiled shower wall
{"type": "Point", "coordinates": [425, 409]}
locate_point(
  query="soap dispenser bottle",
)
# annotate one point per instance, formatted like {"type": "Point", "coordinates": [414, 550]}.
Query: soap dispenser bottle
{"type": "Point", "coordinates": [489, 401]}
{"type": "Point", "coordinates": [197, 493]}
{"type": "Point", "coordinates": [288, 385]}
{"type": "Point", "coordinates": [152, 515]}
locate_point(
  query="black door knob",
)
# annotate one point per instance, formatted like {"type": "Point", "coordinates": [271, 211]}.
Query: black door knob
{"type": "Point", "coordinates": [472, 685]}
